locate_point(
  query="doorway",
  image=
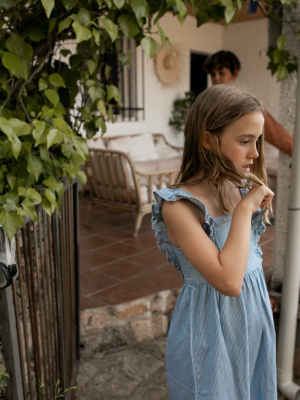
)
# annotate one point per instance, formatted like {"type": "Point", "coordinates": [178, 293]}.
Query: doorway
{"type": "Point", "coordinates": [197, 74]}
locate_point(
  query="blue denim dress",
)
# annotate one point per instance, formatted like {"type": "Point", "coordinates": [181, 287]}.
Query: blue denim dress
{"type": "Point", "coordinates": [218, 347]}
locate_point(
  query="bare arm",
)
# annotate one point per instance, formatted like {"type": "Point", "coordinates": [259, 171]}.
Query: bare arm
{"type": "Point", "coordinates": [224, 270]}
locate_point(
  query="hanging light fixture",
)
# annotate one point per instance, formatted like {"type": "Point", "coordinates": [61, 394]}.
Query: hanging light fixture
{"type": "Point", "coordinates": [9, 271]}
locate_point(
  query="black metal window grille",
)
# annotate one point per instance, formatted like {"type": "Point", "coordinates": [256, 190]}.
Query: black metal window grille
{"type": "Point", "coordinates": [130, 81]}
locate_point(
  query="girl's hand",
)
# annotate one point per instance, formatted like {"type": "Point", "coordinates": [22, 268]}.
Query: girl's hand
{"type": "Point", "coordinates": [258, 196]}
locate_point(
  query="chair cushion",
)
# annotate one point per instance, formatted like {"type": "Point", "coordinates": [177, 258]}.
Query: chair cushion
{"type": "Point", "coordinates": [139, 148]}
{"type": "Point", "coordinates": [142, 148]}
{"type": "Point", "coordinates": [164, 151]}
{"type": "Point", "coordinates": [95, 144]}
{"type": "Point", "coordinates": [170, 163]}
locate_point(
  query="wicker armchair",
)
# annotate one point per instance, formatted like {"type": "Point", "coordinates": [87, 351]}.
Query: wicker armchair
{"type": "Point", "coordinates": [114, 180]}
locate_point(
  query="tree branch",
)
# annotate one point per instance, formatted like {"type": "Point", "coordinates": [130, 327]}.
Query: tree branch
{"type": "Point", "coordinates": [9, 95]}
{"type": "Point", "coordinates": [35, 72]}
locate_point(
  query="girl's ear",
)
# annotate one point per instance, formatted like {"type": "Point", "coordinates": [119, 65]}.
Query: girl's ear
{"type": "Point", "coordinates": [207, 140]}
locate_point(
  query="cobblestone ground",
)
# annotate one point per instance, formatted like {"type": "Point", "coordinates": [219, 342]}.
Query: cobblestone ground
{"type": "Point", "coordinates": [127, 372]}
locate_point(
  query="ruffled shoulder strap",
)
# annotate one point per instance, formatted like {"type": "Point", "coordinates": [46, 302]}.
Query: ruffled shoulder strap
{"type": "Point", "coordinates": [158, 223]}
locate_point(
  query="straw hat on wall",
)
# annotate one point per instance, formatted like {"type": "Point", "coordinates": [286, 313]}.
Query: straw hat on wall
{"type": "Point", "coordinates": [167, 66]}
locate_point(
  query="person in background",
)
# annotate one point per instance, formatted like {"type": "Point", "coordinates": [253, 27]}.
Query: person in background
{"type": "Point", "coordinates": [223, 67]}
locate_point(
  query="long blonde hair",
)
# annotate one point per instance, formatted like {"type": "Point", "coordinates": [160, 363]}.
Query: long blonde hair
{"type": "Point", "coordinates": [213, 110]}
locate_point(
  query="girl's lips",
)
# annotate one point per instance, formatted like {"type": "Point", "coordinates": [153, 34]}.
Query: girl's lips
{"type": "Point", "coordinates": [246, 167]}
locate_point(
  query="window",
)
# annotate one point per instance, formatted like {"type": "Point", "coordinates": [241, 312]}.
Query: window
{"type": "Point", "coordinates": [130, 82]}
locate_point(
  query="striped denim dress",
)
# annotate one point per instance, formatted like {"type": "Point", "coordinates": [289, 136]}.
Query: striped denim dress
{"type": "Point", "coordinates": [218, 347]}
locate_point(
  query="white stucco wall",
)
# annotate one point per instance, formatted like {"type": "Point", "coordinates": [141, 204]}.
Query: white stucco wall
{"type": "Point", "coordinates": [159, 97]}
{"type": "Point", "coordinates": [249, 40]}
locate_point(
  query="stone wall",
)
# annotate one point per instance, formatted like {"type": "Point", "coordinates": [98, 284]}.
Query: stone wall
{"type": "Point", "coordinates": [142, 319]}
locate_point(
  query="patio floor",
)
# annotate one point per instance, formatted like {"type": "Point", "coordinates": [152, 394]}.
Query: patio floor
{"type": "Point", "coordinates": [116, 268]}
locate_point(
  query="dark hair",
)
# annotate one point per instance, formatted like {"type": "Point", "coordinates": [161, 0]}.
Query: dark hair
{"type": "Point", "coordinates": [214, 109]}
{"type": "Point", "coordinates": [222, 59]}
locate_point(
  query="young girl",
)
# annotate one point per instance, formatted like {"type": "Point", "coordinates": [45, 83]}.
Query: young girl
{"type": "Point", "coordinates": [221, 342]}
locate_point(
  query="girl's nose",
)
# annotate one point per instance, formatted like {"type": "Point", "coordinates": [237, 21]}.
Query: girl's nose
{"type": "Point", "coordinates": [254, 153]}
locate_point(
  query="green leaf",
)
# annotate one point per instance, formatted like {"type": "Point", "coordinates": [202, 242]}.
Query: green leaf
{"type": "Point", "coordinates": [281, 42]}
{"type": "Point", "coordinates": [128, 25]}
{"type": "Point", "coordinates": [27, 146]}
{"type": "Point", "coordinates": [82, 33]}
{"type": "Point", "coordinates": [239, 4]}
{"type": "Point", "coordinates": [51, 182]}
{"type": "Point", "coordinates": [298, 35]}
{"type": "Point", "coordinates": [7, 4]}
{"type": "Point", "coordinates": [48, 6]}
{"type": "Point", "coordinates": [91, 65]}
{"type": "Point", "coordinates": [36, 35]}
{"type": "Point", "coordinates": [119, 3]}
{"type": "Point", "coordinates": [62, 125]}
{"type": "Point", "coordinates": [96, 93]}
{"type": "Point", "coordinates": [16, 44]}
{"type": "Point", "coordinates": [6, 128]}
{"type": "Point", "coordinates": [50, 196]}
{"type": "Point", "coordinates": [82, 177]}
{"type": "Point", "coordinates": [101, 107]}
{"type": "Point", "coordinates": [13, 64]}
{"type": "Point", "coordinates": [65, 52]}
{"type": "Point", "coordinates": [42, 84]}
{"type": "Point", "coordinates": [96, 36]}
{"type": "Point", "coordinates": [60, 190]}
{"type": "Point", "coordinates": [182, 10]}
{"type": "Point", "coordinates": [64, 24]}
{"type": "Point", "coordinates": [181, 18]}
{"type": "Point", "coordinates": [100, 123]}
{"type": "Point", "coordinates": [282, 73]}
{"type": "Point", "coordinates": [84, 16]}
{"type": "Point", "coordinates": [228, 4]}
{"type": "Point", "coordinates": [9, 204]}
{"type": "Point", "coordinates": [57, 80]}
{"type": "Point", "coordinates": [140, 8]}
{"type": "Point", "coordinates": [20, 128]}
{"type": "Point", "coordinates": [113, 93]}
{"type": "Point", "coordinates": [11, 179]}
{"type": "Point", "coordinates": [22, 192]}
{"type": "Point", "coordinates": [52, 96]}
{"type": "Point", "coordinates": [76, 61]}
{"type": "Point", "coordinates": [229, 15]}
{"type": "Point", "coordinates": [202, 17]}
{"type": "Point", "coordinates": [16, 146]}
{"type": "Point", "coordinates": [54, 136]}
{"type": "Point", "coordinates": [125, 58]}
{"type": "Point", "coordinates": [3, 77]}
{"type": "Point", "coordinates": [48, 207]}
{"type": "Point", "coordinates": [110, 113]}
{"type": "Point", "coordinates": [150, 47]}
{"type": "Point", "coordinates": [34, 196]}
{"type": "Point", "coordinates": [69, 4]}
{"type": "Point", "coordinates": [34, 166]}
{"type": "Point", "coordinates": [11, 223]}
{"type": "Point", "coordinates": [44, 153]}
{"type": "Point", "coordinates": [110, 28]}
{"type": "Point", "coordinates": [107, 70]}
{"type": "Point", "coordinates": [52, 23]}
{"type": "Point", "coordinates": [29, 209]}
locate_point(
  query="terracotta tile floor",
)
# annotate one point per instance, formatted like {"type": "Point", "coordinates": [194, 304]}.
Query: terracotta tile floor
{"type": "Point", "coordinates": [115, 267]}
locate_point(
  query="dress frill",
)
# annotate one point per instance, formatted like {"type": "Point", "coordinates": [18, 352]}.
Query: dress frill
{"type": "Point", "coordinates": [158, 224]}
{"type": "Point", "coordinates": [208, 226]}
